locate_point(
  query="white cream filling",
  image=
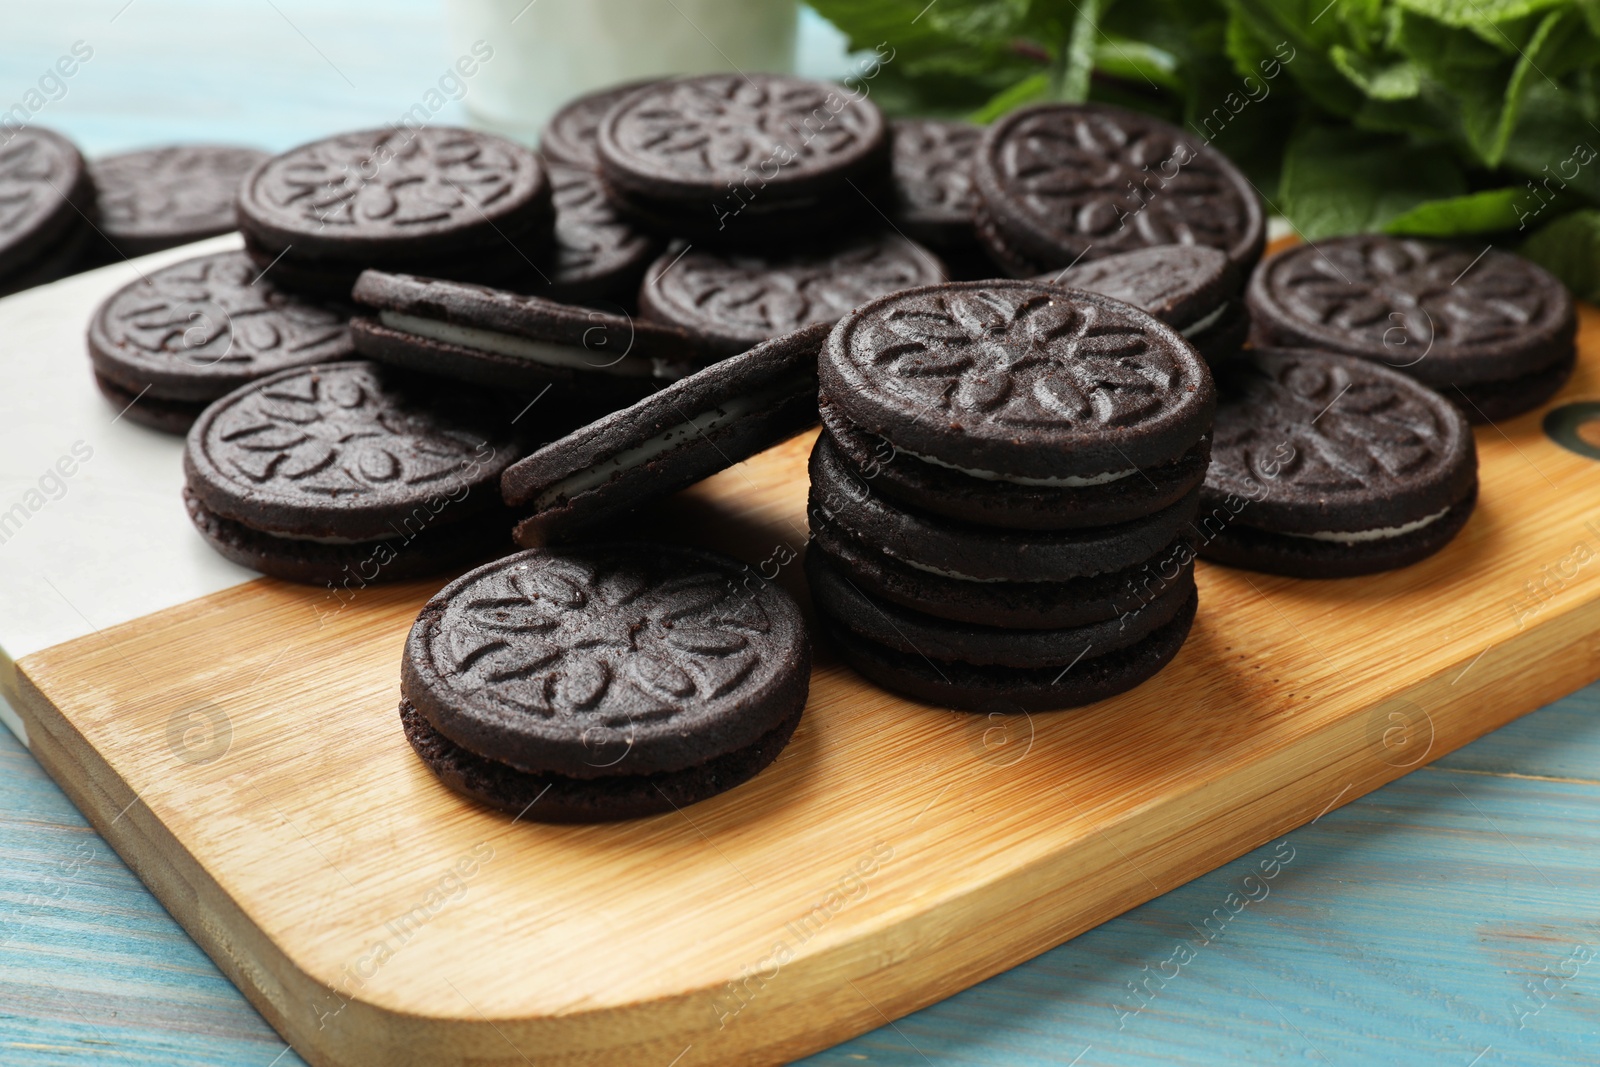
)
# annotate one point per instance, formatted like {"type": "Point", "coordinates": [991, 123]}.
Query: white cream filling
{"type": "Point", "coordinates": [1067, 481]}
{"type": "Point", "coordinates": [705, 422]}
{"type": "Point", "coordinates": [328, 540]}
{"type": "Point", "coordinates": [1205, 323]}
{"type": "Point", "coordinates": [957, 575]}
{"type": "Point", "coordinates": [572, 357]}
{"type": "Point", "coordinates": [1382, 533]}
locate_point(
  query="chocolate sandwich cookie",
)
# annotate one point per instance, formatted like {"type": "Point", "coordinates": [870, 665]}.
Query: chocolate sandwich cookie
{"type": "Point", "coordinates": [969, 552]}
{"type": "Point", "coordinates": [606, 682]}
{"type": "Point", "coordinates": [348, 473]}
{"type": "Point", "coordinates": [690, 430]}
{"type": "Point", "coordinates": [596, 254]}
{"type": "Point", "coordinates": [1494, 331]}
{"type": "Point", "coordinates": [1326, 466]}
{"type": "Point", "coordinates": [731, 301]}
{"type": "Point", "coordinates": [1080, 677]}
{"type": "Point", "coordinates": [1064, 183]}
{"type": "Point", "coordinates": [526, 343]}
{"type": "Point", "coordinates": [46, 204]}
{"type": "Point", "coordinates": [934, 199]}
{"type": "Point", "coordinates": [1017, 404]}
{"type": "Point", "coordinates": [1026, 605]}
{"type": "Point", "coordinates": [169, 344]}
{"type": "Point", "coordinates": [1192, 288]}
{"type": "Point", "coordinates": [570, 137]}
{"type": "Point", "coordinates": [438, 201]}
{"type": "Point", "coordinates": [915, 633]}
{"type": "Point", "coordinates": [743, 159]}
{"type": "Point", "coordinates": [164, 197]}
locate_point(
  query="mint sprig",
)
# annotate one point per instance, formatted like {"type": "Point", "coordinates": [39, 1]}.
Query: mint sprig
{"type": "Point", "coordinates": [1449, 118]}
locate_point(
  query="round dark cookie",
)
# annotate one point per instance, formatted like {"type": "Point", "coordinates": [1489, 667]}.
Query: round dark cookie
{"type": "Point", "coordinates": [163, 197]}
{"type": "Point", "coordinates": [1445, 314]}
{"type": "Point", "coordinates": [733, 301]}
{"type": "Point", "coordinates": [596, 253]}
{"type": "Point", "coordinates": [46, 198]}
{"type": "Point", "coordinates": [1252, 548]}
{"type": "Point", "coordinates": [1313, 447]}
{"type": "Point", "coordinates": [1064, 182]}
{"type": "Point", "coordinates": [914, 633]}
{"type": "Point", "coordinates": [738, 160]}
{"type": "Point", "coordinates": [376, 197]}
{"type": "Point", "coordinates": [1020, 605]}
{"type": "Point", "coordinates": [989, 502]}
{"type": "Point", "coordinates": [69, 255]}
{"type": "Point", "coordinates": [553, 798]}
{"type": "Point", "coordinates": [963, 686]}
{"type": "Point", "coordinates": [168, 416]}
{"type": "Point", "coordinates": [201, 328]}
{"type": "Point", "coordinates": [571, 135]}
{"type": "Point", "coordinates": [983, 553]}
{"type": "Point", "coordinates": [1318, 441]}
{"type": "Point", "coordinates": [413, 551]}
{"type": "Point", "coordinates": [931, 165]}
{"type": "Point", "coordinates": [612, 660]}
{"type": "Point", "coordinates": [1019, 379]}
{"type": "Point", "coordinates": [348, 451]}
{"type": "Point", "coordinates": [1486, 402]}
{"type": "Point", "coordinates": [491, 337]}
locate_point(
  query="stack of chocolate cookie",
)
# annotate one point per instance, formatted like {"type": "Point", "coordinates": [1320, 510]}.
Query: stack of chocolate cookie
{"type": "Point", "coordinates": [773, 191]}
{"type": "Point", "coordinates": [1004, 467]}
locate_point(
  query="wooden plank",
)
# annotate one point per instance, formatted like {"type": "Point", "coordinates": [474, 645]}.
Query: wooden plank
{"type": "Point", "coordinates": [1401, 900]}
{"type": "Point", "coordinates": [290, 860]}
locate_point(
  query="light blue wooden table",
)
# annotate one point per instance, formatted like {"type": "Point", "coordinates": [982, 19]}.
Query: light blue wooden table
{"type": "Point", "coordinates": [1450, 918]}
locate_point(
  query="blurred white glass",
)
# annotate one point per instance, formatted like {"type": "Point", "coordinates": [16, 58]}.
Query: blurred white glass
{"type": "Point", "coordinates": [548, 51]}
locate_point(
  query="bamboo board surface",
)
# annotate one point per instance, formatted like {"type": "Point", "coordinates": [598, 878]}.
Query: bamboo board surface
{"type": "Point", "coordinates": [243, 753]}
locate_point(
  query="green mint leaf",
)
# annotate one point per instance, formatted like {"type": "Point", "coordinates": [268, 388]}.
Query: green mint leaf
{"type": "Point", "coordinates": [1569, 248]}
{"type": "Point", "coordinates": [1338, 180]}
{"type": "Point", "coordinates": [1028, 91]}
{"type": "Point", "coordinates": [1489, 211]}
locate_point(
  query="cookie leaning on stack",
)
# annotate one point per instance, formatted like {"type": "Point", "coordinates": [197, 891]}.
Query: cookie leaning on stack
{"type": "Point", "coordinates": [1002, 461]}
{"type": "Point", "coordinates": [1192, 288]}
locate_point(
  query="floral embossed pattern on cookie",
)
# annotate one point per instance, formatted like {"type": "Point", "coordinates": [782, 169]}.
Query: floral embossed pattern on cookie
{"type": "Point", "coordinates": [166, 196]}
{"type": "Point", "coordinates": [45, 201]}
{"type": "Point", "coordinates": [550, 660]}
{"type": "Point", "coordinates": [1408, 301]}
{"type": "Point", "coordinates": [201, 327]}
{"type": "Point", "coordinates": [720, 128]}
{"type": "Point", "coordinates": [1328, 427]}
{"type": "Point", "coordinates": [740, 300]}
{"type": "Point", "coordinates": [1060, 183]}
{"type": "Point", "coordinates": [932, 164]}
{"type": "Point", "coordinates": [1031, 372]}
{"type": "Point", "coordinates": [389, 185]}
{"type": "Point", "coordinates": [344, 439]}
{"type": "Point", "coordinates": [36, 171]}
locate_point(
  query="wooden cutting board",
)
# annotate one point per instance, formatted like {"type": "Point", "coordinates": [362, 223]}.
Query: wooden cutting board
{"type": "Point", "coordinates": [242, 752]}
